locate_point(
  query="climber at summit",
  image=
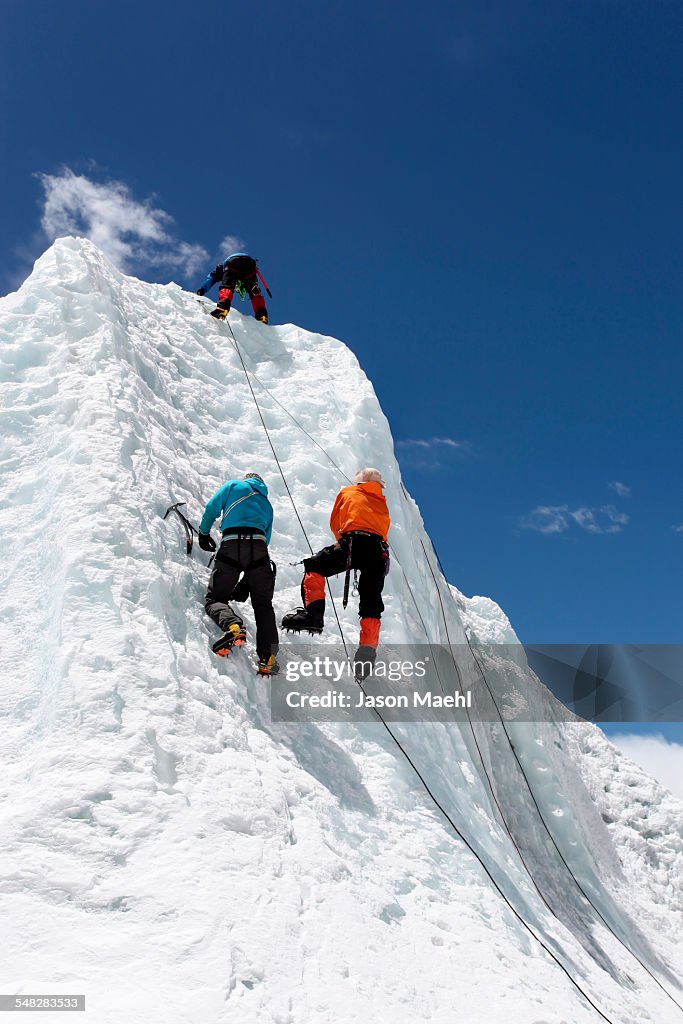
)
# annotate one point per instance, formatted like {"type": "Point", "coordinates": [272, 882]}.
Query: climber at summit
{"type": "Point", "coordinates": [246, 526]}
{"type": "Point", "coordinates": [360, 522]}
{"type": "Point", "coordinates": [239, 272]}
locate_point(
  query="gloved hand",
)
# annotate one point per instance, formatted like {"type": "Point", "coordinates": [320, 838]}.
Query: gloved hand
{"type": "Point", "coordinates": [201, 291]}
{"type": "Point", "coordinates": [206, 542]}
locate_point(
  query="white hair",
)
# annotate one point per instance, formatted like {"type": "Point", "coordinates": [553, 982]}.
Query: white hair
{"type": "Point", "coordinates": [369, 475]}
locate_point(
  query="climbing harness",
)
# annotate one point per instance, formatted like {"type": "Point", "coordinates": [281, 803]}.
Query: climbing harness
{"type": "Point", "coordinates": [235, 563]}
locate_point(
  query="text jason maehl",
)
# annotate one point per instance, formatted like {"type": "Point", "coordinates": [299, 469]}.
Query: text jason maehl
{"type": "Point", "coordinates": [339, 699]}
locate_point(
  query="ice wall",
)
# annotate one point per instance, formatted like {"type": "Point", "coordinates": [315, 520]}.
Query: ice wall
{"type": "Point", "coordinates": [159, 833]}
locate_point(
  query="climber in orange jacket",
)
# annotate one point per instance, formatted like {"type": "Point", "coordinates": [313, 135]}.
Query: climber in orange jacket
{"type": "Point", "coordinates": [360, 522]}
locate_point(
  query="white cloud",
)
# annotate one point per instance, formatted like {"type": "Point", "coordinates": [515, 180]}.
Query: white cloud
{"type": "Point", "coordinates": [428, 453]}
{"type": "Point", "coordinates": [229, 245]}
{"type": "Point", "coordinates": [656, 756]}
{"type": "Point", "coordinates": [131, 233]}
{"type": "Point", "coordinates": [678, 529]}
{"type": "Point", "coordinates": [623, 490]}
{"type": "Point", "coordinates": [548, 519]}
{"type": "Point", "coordinates": [559, 518]}
{"type": "Point", "coordinates": [606, 519]}
{"type": "Point", "coordinates": [432, 442]}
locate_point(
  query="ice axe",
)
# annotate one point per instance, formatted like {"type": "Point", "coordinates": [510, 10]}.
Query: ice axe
{"type": "Point", "coordinates": [190, 530]}
{"type": "Point", "coordinates": [263, 282]}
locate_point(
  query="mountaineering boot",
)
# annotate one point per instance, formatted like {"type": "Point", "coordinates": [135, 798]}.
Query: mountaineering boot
{"type": "Point", "coordinates": [223, 306]}
{"type": "Point", "coordinates": [309, 618]}
{"type": "Point", "coordinates": [268, 666]}
{"type": "Point", "coordinates": [234, 636]}
{"type": "Point", "coordinates": [262, 315]}
{"type": "Point", "coordinates": [364, 658]}
{"type": "Point", "coordinates": [364, 662]}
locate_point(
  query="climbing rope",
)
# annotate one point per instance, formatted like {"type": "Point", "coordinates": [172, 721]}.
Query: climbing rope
{"type": "Point", "coordinates": [282, 474]}
{"type": "Point", "coordinates": [437, 803]}
{"type": "Point", "coordinates": [398, 743]}
{"type": "Point", "coordinates": [457, 669]}
{"type": "Point", "coordinates": [580, 888]}
{"type": "Point", "coordinates": [479, 750]}
{"type": "Point", "coordinates": [541, 816]}
{"type": "Point", "coordinates": [300, 426]}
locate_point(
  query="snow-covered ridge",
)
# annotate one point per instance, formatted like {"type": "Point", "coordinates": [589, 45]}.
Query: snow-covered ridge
{"type": "Point", "coordinates": [159, 833]}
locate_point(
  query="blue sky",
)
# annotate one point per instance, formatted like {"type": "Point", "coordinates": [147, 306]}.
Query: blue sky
{"type": "Point", "coordinates": [481, 199]}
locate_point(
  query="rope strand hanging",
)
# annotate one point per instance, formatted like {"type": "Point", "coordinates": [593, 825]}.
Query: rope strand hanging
{"type": "Point", "coordinates": [395, 739]}
{"type": "Point", "coordinates": [282, 474]}
{"type": "Point", "coordinates": [541, 817]}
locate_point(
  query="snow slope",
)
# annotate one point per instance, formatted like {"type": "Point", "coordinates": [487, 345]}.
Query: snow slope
{"type": "Point", "coordinates": [166, 848]}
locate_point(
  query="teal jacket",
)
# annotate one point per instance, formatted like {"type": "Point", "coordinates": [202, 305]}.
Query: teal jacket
{"type": "Point", "coordinates": [242, 503]}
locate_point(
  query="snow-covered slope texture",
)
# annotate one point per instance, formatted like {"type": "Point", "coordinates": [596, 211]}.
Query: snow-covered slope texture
{"type": "Point", "coordinates": [166, 848]}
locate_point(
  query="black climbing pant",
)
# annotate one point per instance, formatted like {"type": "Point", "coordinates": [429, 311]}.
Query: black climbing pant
{"type": "Point", "coordinates": [251, 557]}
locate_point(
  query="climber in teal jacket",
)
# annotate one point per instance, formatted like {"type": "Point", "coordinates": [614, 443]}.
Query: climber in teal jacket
{"type": "Point", "coordinates": [246, 525]}
{"type": "Point", "coordinates": [244, 507]}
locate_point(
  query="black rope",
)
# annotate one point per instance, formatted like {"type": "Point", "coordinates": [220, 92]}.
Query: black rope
{"type": "Point", "coordinates": [397, 741]}
{"type": "Point", "coordinates": [541, 816]}
{"type": "Point", "coordinates": [490, 783]}
{"type": "Point", "coordinates": [482, 864]}
{"type": "Point", "coordinates": [479, 751]}
{"type": "Point", "coordinates": [272, 447]}
{"type": "Point", "coordinates": [503, 819]}
{"type": "Point", "coordinates": [302, 428]}
{"type": "Point", "coordinates": [282, 474]}
{"type": "Point", "coordinates": [410, 590]}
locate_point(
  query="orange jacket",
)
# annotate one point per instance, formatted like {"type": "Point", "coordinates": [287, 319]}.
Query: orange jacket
{"type": "Point", "coordinates": [360, 507]}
